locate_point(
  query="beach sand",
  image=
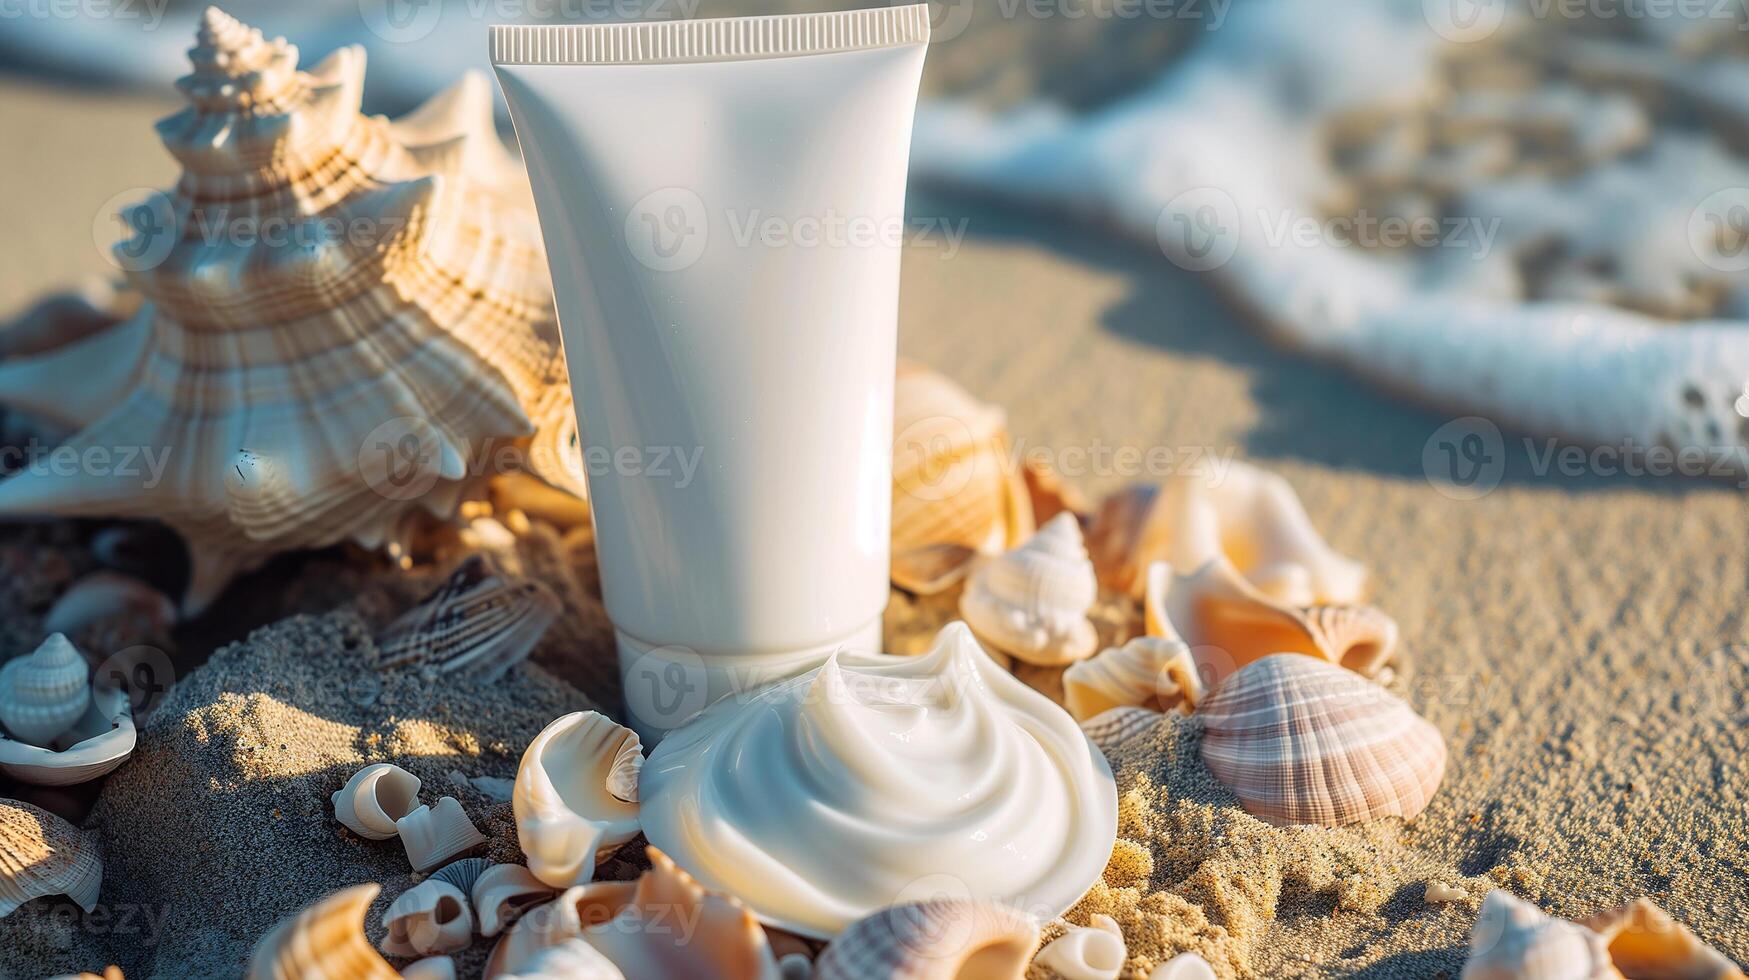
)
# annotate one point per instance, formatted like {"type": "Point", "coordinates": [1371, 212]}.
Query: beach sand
{"type": "Point", "coordinates": [1577, 638]}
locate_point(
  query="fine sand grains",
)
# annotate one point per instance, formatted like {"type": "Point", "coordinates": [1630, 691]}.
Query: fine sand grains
{"type": "Point", "coordinates": [1193, 872]}
{"type": "Point", "coordinates": [220, 824]}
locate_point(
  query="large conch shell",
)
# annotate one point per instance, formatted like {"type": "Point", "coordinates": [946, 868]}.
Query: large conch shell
{"type": "Point", "coordinates": [1032, 602]}
{"type": "Point", "coordinates": [1645, 943]}
{"type": "Point", "coordinates": [1300, 741]}
{"type": "Point", "coordinates": [1147, 672]}
{"type": "Point", "coordinates": [476, 622]}
{"type": "Point", "coordinates": [1514, 940]}
{"type": "Point", "coordinates": [1093, 952]}
{"type": "Point", "coordinates": [1228, 623]}
{"type": "Point", "coordinates": [1247, 514]}
{"type": "Point", "coordinates": [324, 941]}
{"type": "Point", "coordinates": [637, 927]}
{"type": "Point", "coordinates": [42, 855]}
{"type": "Point", "coordinates": [44, 692]}
{"type": "Point", "coordinates": [375, 798]}
{"type": "Point", "coordinates": [344, 316]}
{"type": "Point", "coordinates": [939, 939]}
{"type": "Point", "coordinates": [956, 493]}
{"type": "Point", "coordinates": [101, 740]}
{"type": "Point", "coordinates": [576, 795]}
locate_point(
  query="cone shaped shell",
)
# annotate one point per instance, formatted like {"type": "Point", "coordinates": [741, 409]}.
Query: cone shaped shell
{"type": "Point", "coordinates": [1032, 602]}
{"type": "Point", "coordinates": [570, 794]}
{"type": "Point", "coordinates": [941, 939]}
{"type": "Point", "coordinates": [45, 692]}
{"type": "Point", "coordinates": [1302, 741]}
{"type": "Point", "coordinates": [325, 940]}
{"type": "Point", "coordinates": [955, 493]}
{"type": "Point", "coordinates": [99, 742]}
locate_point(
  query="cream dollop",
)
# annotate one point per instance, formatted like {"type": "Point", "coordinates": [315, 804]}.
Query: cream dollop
{"type": "Point", "coordinates": [820, 799]}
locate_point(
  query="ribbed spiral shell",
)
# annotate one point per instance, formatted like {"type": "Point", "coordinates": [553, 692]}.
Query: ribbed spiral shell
{"type": "Point", "coordinates": [939, 939]}
{"type": "Point", "coordinates": [1032, 602]}
{"type": "Point", "coordinates": [44, 693]}
{"type": "Point", "coordinates": [1299, 740]}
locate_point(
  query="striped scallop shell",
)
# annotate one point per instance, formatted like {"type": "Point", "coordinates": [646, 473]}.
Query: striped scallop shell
{"type": "Point", "coordinates": [43, 855]}
{"type": "Point", "coordinates": [325, 940]}
{"type": "Point", "coordinates": [1032, 602]}
{"type": "Point", "coordinates": [343, 315]}
{"type": "Point", "coordinates": [954, 493]}
{"type": "Point", "coordinates": [1301, 741]}
{"type": "Point", "coordinates": [940, 939]}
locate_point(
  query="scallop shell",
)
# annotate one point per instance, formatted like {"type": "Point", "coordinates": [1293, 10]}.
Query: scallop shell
{"type": "Point", "coordinates": [1093, 952]}
{"type": "Point", "coordinates": [955, 492]}
{"type": "Point", "coordinates": [940, 939]}
{"type": "Point", "coordinates": [45, 692]}
{"type": "Point", "coordinates": [1148, 672]}
{"type": "Point", "coordinates": [357, 304]}
{"type": "Point", "coordinates": [1032, 602]}
{"type": "Point", "coordinates": [431, 917]}
{"type": "Point", "coordinates": [475, 622]}
{"type": "Point", "coordinates": [1514, 940]}
{"type": "Point", "coordinates": [570, 798]}
{"type": "Point", "coordinates": [437, 834]}
{"type": "Point", "coordinates": [1645, 943]}
{"type": "Point", "coordinates": [101, 740]}
{"type": "Point", "coordinates": [1228, 623]}
{"type": "Point", "coordinates": [1299, 741]}
{"type": "Point", "coordinates": [43, 855]}
{"type": "Point", "coordinates": [375, 798]}
{"type": "Point", "coordinates": [635, 925]}
{"type": "Point", "coordinates": [1245, 513]}
{"type": "Point", "coordinates": [1184, 966]}
{"type": "Point", "coordinates": [502, 893]}
{"type": "Point", "coordinates": [325, 940]}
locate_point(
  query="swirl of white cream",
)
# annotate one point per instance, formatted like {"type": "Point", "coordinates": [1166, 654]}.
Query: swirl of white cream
{"type": "Point", "coordinates": [820, 799]}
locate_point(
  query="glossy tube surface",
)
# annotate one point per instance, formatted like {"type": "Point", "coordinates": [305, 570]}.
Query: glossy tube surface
{"type": "Point", "coordinates": [722, 203]}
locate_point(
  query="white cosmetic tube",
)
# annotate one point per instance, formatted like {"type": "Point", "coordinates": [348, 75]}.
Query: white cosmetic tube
{"type": "Point", "coordinates": [723, 205]}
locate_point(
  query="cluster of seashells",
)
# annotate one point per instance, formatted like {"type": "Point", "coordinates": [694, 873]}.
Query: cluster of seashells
{"type": "Point", "coordinates": [59, 725]}
{"type": "Point", "coordinates": [1514, 940]}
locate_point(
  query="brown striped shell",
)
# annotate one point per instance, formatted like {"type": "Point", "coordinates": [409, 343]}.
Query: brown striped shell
{"type": "Point", "coordinates": [940, 939]}
{"type": "Point", "coordinates": [325, 940]}
{"type": "Point", "coordinates": [955, 492]}
{"type": "Point", "coordinates": [43, 855]}
{"type": "Point", "coordinates": [1302, 741]}
{"type": "Point", "coordinates": [345, 318]}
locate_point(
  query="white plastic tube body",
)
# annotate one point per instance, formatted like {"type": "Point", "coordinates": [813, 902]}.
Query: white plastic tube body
{"type": "Point", "coordinates": [722, 204]}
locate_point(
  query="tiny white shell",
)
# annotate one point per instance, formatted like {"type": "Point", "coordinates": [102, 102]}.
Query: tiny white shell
{"type": "Point", "coordinates": [1514, 940]}
{"type": "Point", "coordinates": [1093, 952]}
{"type": "Point", "coordinates": [1032, 602]}
{"type": "Point", "coordinates": [568, 803]}
{"type": "Point", "coordinates": [1148, 672]}
{"type": "Point", "coordinates": [1184, 966]}
{"type": "Point", "coordinates": [434, 835]}
{"type": "Point", "coordinates": [502, 893]}
{"type": "Point", "coordinates": [43, 693]}
{"type": "Point", "coordinates": [43, 855]}
{"type": "Point", "coordinates": [431, 917]}
{"type": "Point", "coordinates": [98, 742]}
{"type": "Point", "coordinates": [940, 939]}
{"type": "Point", "coordinates": [375, 798]}
{"type": "Point", "coordinates": [325, 940]}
